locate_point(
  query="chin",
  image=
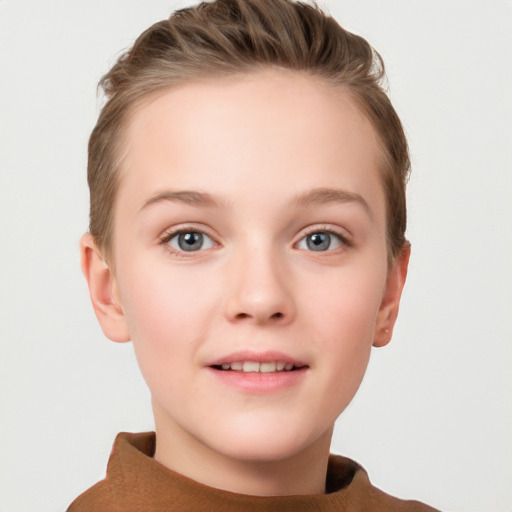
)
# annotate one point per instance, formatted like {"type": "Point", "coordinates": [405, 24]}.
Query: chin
{"type": "Point", "coordinates": [266, 443]}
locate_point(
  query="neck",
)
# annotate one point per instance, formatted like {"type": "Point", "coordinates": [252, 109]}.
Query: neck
{"type": "Point", "coordinates": [300, 473]}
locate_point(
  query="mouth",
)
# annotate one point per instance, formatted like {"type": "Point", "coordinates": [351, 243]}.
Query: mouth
{"type": "Point", "coordinates": [259, 375]}
{"type": "Point", "coordinates": [259, 372]}
{"type": "Point", "coordinates": [258, 367]}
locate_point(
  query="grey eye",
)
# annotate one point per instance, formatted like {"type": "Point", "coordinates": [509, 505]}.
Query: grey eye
{"type": "Point", "coordinates": [320, 241]}
{"type": "Point", "coordinates": [189, 241]}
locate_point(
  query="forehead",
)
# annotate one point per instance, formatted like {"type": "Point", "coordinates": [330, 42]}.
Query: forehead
{"type": "Point", "coordinates": [270, 131]}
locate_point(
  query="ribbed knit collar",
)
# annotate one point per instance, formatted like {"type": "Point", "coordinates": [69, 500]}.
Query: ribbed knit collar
{"type": "Point", "coordinates": [137, 482]}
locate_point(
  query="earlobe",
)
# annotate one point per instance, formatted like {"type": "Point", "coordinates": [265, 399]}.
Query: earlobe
{"type": "Point", "coordinates": [388, 311]}
{"type": "Point", "coordinates": [102, 286]}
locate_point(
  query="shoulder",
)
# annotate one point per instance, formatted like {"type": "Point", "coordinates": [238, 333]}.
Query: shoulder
{"type": "Point", "coordinates": [96, 498]}
{"type": "Point", "coordinates": [130, 454]}
{"type": "Point", "coordinates": [361, 495]}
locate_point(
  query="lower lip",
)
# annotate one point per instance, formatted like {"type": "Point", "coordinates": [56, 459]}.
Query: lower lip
{"type": "Point", "coordinates": [260, 382]}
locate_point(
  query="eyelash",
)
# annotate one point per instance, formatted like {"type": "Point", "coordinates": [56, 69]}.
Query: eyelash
{"type": "Point", "coordinates": [345, 241]}
{"type": "Point", "coordinates": [169, 235]}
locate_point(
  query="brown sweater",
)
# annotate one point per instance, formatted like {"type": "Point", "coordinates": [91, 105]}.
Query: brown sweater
{"type": "Point", "coordinates": [135, 482]}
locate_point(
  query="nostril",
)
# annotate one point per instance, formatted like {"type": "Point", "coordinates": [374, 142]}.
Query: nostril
{"type": "Point", "coordinates": [241, 316]}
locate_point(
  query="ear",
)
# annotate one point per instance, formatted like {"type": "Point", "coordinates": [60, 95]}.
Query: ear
{"type": "Point", "coordinates": [103, 291]}
{"type": "Point", "coordinates": [388, 311]}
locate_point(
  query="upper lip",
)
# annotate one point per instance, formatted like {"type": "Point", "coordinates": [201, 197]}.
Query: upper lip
{"type": "Point", "coordinates": [259, 357]}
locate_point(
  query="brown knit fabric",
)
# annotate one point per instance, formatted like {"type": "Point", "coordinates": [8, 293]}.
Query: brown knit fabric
{"type": "Point", "coordinates": [135, 482]}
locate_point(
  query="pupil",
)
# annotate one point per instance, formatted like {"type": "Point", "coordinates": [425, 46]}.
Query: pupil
{"type": "Point", "coordinates": [190, 241]}
{"type": "Point", "coordinates": [319, 241]}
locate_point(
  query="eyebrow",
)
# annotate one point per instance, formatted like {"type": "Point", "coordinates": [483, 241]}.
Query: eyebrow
{"type": "Point", "coordinates": [317, 196]}
{"type": "Point", "coordinates": [190, 197]}
{"type": "Point", "coordinates": [320, 196]}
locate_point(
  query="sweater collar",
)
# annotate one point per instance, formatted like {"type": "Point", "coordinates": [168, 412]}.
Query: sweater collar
{"type": "Point", "coordinates": [133, 475]}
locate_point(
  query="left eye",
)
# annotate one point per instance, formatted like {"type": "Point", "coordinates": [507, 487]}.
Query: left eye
{"type": "Point", "coordinates": [190, 241]}
{"type": "Point", "coordinates": [321, 241]}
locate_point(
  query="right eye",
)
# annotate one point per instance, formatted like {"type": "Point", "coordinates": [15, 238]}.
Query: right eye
{"type": "Point", "coordinates": [189, 241]}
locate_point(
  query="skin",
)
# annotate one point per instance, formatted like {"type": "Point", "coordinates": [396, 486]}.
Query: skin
{"type": "Point", "coordinates": [258, 144]}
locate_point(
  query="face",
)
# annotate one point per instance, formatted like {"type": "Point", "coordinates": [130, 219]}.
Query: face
{"type": "Point", "coordinates": [251, 267]}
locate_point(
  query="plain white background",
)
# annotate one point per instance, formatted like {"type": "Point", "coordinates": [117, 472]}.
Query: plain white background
{"type": "Point", "coordinates": [433, 419]}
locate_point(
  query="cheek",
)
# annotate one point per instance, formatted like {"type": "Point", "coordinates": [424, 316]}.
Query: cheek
{"type": "Point", "coordinates": [344, 322]}
{"type": "Point", "coordinates": [168, 314]}
{"type": "Point", "coordinates": [346, 306]}
{"type": "Point", "coordinates": [161, 298]}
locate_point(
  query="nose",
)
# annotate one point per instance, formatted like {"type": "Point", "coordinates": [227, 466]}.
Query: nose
{"type": "Point", "coordinates": [259, 290]}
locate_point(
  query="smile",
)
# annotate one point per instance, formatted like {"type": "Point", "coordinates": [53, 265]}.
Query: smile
{"type": "Point", "coordinates": [256, 367]}
{"type": "Point", "coordinates": [257, 372]}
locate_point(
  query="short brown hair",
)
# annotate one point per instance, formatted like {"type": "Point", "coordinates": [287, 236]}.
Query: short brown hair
{"type": "Point", "coordinates": [229, 37]}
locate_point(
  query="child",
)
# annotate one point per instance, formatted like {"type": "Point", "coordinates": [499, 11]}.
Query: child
{"type": "Point", "coordinates": [247, 233]}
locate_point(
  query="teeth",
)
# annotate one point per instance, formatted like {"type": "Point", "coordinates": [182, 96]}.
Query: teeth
{"type": "Point", "coordinates": [255, 367]}
{"type": "Point", "coordinates": [251, 366]}
{"type": "Point", "coordinates": [267, 367]}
